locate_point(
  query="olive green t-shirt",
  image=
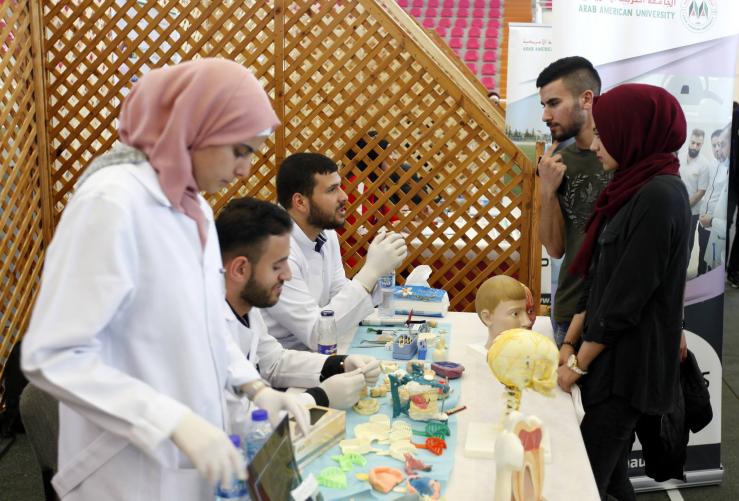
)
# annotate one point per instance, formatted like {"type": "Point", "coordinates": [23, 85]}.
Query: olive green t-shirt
{"type": "Point", "coordinates": [583, 182]}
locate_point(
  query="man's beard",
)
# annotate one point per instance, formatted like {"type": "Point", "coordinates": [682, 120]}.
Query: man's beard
{"type": "Point", "coordinates": [325, 220]}
{"type": "Point", "coordinates": [256, 295]}
{"type": "Point", "coordinates": [693, 153]}
{"type": "Point", "coordinates": [574, 129]}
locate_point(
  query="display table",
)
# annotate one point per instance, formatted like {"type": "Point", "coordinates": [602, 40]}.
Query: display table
{"type": "Point", "coordinates": [568, 475]}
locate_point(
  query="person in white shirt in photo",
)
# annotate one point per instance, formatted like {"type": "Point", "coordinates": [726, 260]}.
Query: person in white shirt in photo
{"type": "Point", "coordinates": [718, 180]}
{"type": "Point", "coordinates": [254, 237]}
{"type": "Point", "coordinates": [695, 173]}
{"type": "Point", "coordinates": [309, 188]}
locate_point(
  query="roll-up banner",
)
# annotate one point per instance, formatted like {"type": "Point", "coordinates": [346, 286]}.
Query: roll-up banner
{"type": "Point", "coordinates": [529, 52]}
{"type": "Point", "coordinates": [689, 48]}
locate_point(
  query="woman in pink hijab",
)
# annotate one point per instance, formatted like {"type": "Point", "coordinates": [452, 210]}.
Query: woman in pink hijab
{"type": "Point", "coordinates": [128, 330]}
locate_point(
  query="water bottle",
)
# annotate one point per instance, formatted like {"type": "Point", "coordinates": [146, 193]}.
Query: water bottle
{"type": "Point", "coordinates": [387, 288]}
{"type": "Point", "coordinates": [237, 491]}
{"type": "Point", "coordinates": [257, 433]}
{"type": "Point", "coordinates": [327, 333]}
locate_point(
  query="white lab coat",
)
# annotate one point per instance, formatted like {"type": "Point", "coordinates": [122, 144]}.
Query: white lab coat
{"type": "Point", "coordinates": [715, 254]}
{"type": "Point", "coordinates": [280, 367]}
{"type": "Point", "coordinates": [128, 333]}
{"type": "Point", "coordinates": [318, 283]}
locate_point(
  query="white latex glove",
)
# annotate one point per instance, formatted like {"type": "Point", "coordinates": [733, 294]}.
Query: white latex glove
{"type": "Point", "coordinates": [209, 449]}
{"type": "Point", "coordinates": [369, 365]}
{"type": "Point", "coordinates": [343, 389]}
{"type": "Point", "coordinates": [274, 401]}
{"type": "Point", "coordinates": [386, 252]}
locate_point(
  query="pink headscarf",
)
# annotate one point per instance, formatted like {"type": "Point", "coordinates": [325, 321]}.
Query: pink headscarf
{"type": "Point", "coordinates": [175, 109]}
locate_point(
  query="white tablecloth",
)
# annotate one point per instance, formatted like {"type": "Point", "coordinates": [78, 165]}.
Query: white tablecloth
{"type": "Point", "coordinates": [568, 476]}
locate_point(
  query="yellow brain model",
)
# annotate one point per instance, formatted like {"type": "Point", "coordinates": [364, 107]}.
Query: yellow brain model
{"type": "Point", "coordinates": [522, 359]}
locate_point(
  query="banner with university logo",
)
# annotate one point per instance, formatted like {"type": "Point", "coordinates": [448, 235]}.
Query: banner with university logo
{"type": "Point", "coordinates": [529, 52]}
{"type": "Point", "coordinates": [689, 48]}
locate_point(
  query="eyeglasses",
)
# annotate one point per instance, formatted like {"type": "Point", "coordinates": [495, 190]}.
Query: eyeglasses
{"type": "Point", "coordinates": [243, 150]}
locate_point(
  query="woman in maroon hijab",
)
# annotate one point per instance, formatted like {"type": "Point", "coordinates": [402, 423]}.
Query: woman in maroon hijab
{"type": "Point", "coordinates": [635, 255]}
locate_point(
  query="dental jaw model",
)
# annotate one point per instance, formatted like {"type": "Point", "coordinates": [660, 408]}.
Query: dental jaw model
{"type": "Point", "coordinates": [521, 359]}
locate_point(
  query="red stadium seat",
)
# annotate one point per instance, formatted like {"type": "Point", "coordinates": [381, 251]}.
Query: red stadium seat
{"type": "Point", "coordinates": [488, 69]}
{"type": "Point", "coordinates": [441, 31]}
{"type": "Point", "coordinates": [480, 4]}
{"type": "Point", "coordinates": [431, 12]}
{"type": "Point", "coordinates": [445, 22]}
{"type": "Point", "coordinates": [448, 4]}
{"type": "Point", "coordinates": [446, 12]}
{"type": "Point", "coordinates": [473, 43]}
{"type": "Point", "coordinates": [491, 33]}
{"type": "Point", "coordinates": [433, 3]}
{"type": "Point", "coordinates": [461, 22]}
{"type": "Point", "coordinates": [403, 3]}
{"type": "Point", "coordinates": [494, 13]}
{"type": "Point", "coordinates": [478, 13]}
{"type": "Point", "coordinates": [474, 32]}
{"type": "Point", "coordinates": [477, 22]}
{"type": "Point", "coordinates": [471, 55]}
{"type": "Point", "coordinates": [455, 43]}
{"type": "Point", "coordinates": [488, 82]}
{"type": "Point", "coordinates": [472, 67]}
{"type": "Point", "coordinates": [458, 32]}
{"type": "Point", "coordinates": [491, 43]}
{"type": "Point", "coordinates": [428, 23]}
{"type": "Point", "coordinates": [489, 56]}
{"type": "Point", "coordinates": [419, 3]}
{"type": "Point", "coordinates": [495, 3]}
{"type": "Point", "coordinates": [463, 12]}
{"type": "Point", "coordinates": [463, 3]}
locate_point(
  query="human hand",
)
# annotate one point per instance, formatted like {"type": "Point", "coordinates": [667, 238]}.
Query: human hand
{"type": "Point", "coordinates": [369, 365]}
{"type": "Point", "coordinates": [566, 377]}
{"type": "Point", "coordinates": [706, 220]}
{"type": "Point", "coordinates": [683, 347]}
{"type": "Point", "coordinates": [209, 449]}
{"type": "Point", "coordinates": [386, 252]}
{"type": "Point", "coordinates": [551, 170]}
{"type": "Point", "coordinates": [564, 353]}
{"type": "Point", "coordinates": [274, 402]}
{"type": "Point", "coordinates": [343, 390]}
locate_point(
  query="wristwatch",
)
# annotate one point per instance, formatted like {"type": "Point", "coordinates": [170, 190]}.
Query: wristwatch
{"type": "Point", "coordinates": [572, 365]}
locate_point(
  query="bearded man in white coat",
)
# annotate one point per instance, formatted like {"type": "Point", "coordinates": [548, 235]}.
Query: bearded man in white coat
{"type": "Point", "coordinates": [309, 188]}
{"type": "Point", "coordinates": [128, 330]}
{"type": "Point", "coordinates": [254, 236]}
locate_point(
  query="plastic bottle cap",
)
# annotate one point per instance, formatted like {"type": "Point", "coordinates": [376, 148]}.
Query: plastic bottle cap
{"type": "Point", "coordinates": [327, 313]}
{"type": "Point", "coordinates": [236, 440]}
{"type": "Point", "coordinates": [259, 415]}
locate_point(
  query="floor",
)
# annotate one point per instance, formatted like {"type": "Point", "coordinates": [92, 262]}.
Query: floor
{"type": "Point", "coordinates": [21, 480]}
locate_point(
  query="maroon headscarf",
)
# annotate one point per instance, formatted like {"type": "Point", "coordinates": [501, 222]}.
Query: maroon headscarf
{"type": "Point", "coordinates": [640, 126]}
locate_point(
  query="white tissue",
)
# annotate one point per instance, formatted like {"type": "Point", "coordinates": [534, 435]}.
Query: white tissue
{"type": "Point", "coordinates": [419, 276]}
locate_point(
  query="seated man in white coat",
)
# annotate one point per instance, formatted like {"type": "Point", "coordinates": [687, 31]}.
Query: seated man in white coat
{"type": "Point", "coordinates": [309, 187]}
{"type": "Point", "coordinates": [254, 236]}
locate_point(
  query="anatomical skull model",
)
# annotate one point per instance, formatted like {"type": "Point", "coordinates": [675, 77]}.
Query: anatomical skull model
{"type": "Point", "coordinates": [521, 359]}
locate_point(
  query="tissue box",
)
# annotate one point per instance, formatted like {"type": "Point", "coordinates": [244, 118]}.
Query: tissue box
{"type": "Point", "coordinates": [424, 301]}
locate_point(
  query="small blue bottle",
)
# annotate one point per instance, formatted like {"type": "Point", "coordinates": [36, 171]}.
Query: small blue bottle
{"type": "Point", "coordinates": [257, 433]}
{"type": "Point", "coordinates": [237, 491]}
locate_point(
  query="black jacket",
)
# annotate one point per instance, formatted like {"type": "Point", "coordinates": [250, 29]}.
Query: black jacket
{"type": "Point", "coordinates": [635, 299]}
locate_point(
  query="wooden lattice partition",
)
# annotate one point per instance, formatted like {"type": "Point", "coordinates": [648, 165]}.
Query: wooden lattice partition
{"type": "Point", "coordinates": [335, 70]}
{"type": "Point", "coordinates": [24, 221]}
